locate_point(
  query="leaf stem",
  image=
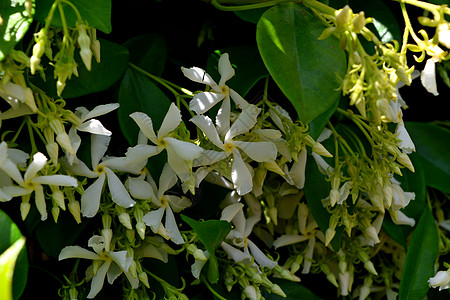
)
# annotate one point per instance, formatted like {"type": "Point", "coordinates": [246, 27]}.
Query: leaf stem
{"type": "Point", "coordinates": [216, 294]}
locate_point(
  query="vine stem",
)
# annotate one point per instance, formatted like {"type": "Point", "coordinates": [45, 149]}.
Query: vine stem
{"type": "Point", "coordinates": [217, 295]}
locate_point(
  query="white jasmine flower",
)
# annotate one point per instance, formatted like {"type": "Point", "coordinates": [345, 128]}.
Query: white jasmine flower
{"type": "Point", "coordinates": [114, 263]}
{"type": "Point", "coordinates": [90, 199]}
{"type": "Point", "coordinates": [7, 165]}
{"type": "Point", "coordinates": [180, 154]}
{"type": "Point", "coordinates": [197, 266]}
{"type": "Point", "coordinates": [258, 151]}
{"type": "Point", "coordinates": [238, 237]}
{"type": "Point", "coordinates": [443, 30]}
{"type": "Point", "coordinates": [405, 142]}
{"type": "Point", "coordinates": [428, 76]}
{"type": "Point", "coordinates": [88, 124]}
{"type": "Point", "coordinates": [441, 280]}
{"type": "Point", "coordinates": [202, 102]}
{"type": "Point", "coordinates": [32, 182]}
{"type": "Point", "coordinates": [165, 204]}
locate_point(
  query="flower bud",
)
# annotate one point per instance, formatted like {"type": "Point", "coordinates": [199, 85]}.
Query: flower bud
{"type": "Point", "coordinates": [24, 209]}
{"type": "Point", "coordinates": [359, 22]}
{"type": "Point", "coordinates": [250, 292]}
{"type": "Point", "coordinates": [125, 220]}
{"type": "Point", "coordinates": [343, 16]}
{"type": "Point", "coordinates": [74, 208]}
{"type": "Point", "coordinates": [441, 280]}
{"type": "Point", "coordinates": [131, 235]}
{"type": "Point", "coordinates": [55, 213]}
{"type": "Point", "coordinates": [144, 279]}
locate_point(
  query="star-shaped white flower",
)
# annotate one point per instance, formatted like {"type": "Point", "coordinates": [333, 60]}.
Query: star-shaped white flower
{"type": "Point", "coordinates": [238, 237]}
{"type": "Point", "coordinates": [202, 102]}
{"type": "Point", "coordinates": [32, 182]}
{"type": "Point", "coordinates": [165, 204]}
{"type": "Point", "coordinates": [88, 124]}
{"type": "Point", "coordinates": [257, 151]}
{"type": "Point", "coordinates": [114, 263]}
{"type": "Point", "coordinates": [441, 280]}
{"type": "Point", "coordinates": [90, 199]}
{"type": "Point", "coordinates": [180, 154]}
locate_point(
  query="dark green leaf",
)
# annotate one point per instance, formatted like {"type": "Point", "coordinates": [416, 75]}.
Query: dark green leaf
{"type": "Point", "coordinates": [317, 188]}
{"type": "Point", "coordinates": [14, 24]}
{"type": "Point", "coordinates": [211, 233]}
{"type": "Point", "coordinates": [9, 234]}
{"type": "Point", "coordinates": [432, 145]}
{"type": "Point", "coordinates": [138, 93]}
{"type": "Point", "coordinates": [318, 124]}
{"type": "Point", "coordinates": [248, 66]}
{"type": "Point", "coordinates": [251, 15]}
{"type": "Point", "coordinates": [149, 52]}
{"type": "Point", "coordinates": [383, 16]}
{"type": "Point", "coordinates": [114, 60]}
{"type": "Point", "coordinates": [420, 259]}
{"type": "Point", "coordinates": [292, 290]}
{"type": "Point", "coordinates": [53, 236]}
{"type": "Point", "coordinates": [96, 13]}
{"type": "Point", "coordinates": [306, 69]}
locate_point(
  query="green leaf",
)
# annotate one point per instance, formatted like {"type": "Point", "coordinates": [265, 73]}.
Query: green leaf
{"type": "Point", "coordinates": [149, 52]}
{"type": "Point", "coordinates": [52, 237]}
{"type": "Point", "coordinates": [318, 124]}
{"type": "Point", "coordinates": [10, 235]}
{"type": "Point", "coordinates": [317, 188]}
{"type": "Point", "coordinates": [15, 22]}
{"type": "Point", "coordinates": [97, 13]}
{"type": "Point", "coordinates": [432, 144]}
{"type": "Point", "coordinates": [248, 66]}
{"type": "Point", "coordinates": [114, 60]}
{"type": "Point", "coordinates": [420, 259]}
{"type": "Point", "coordinates": [251, 15]}
{"type": "Point", "coordinates": [292, 290]}
{"type": "Point", "coordinates": [306, 69]}
{"type": "Point", "coordinates": [7, 262]}
{"type": "Point", "coordinates": [211, 233]}
{"type": "Point", "coordinates": [386, 24]}
{"type": "Point", "coordinates": [138, 93]}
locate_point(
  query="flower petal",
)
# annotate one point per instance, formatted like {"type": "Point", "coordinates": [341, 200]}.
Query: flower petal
{"type": "Point", "coordinates": [78, 168]}
{"type": "Point", "coordinates": [118, 192]}
{"type": "Point", "coordinates": [240, 102]}
{"type": "Point", "coordinates": [185, 150]}
{"type": "Point", "coordinates": [100, 110]}
{"type": "Point", "coordinates": [297, 172]}
{"type": "Point", "coordinates": [94, 126]}
{"type": "Point", "coordinates": [145, 124]}
{"type": "Point", "coordinates": [99, 145]}
{"type": "Point", "coordinates": [428, 77]}
{"type": "Point", "coordinates": [223, 117]}
{"type": "Point", "coordinates": [210, 157]}
{"type": "Point", "coordinates": [235, 254]}
{"type": "Point", "coordinates": [139, 189]}
{"type": "Point", "coordinates": [90, 199]}
{"type": "Point", "coordinates": [78, 252]}
{"type": "Point", "coordinates": [260, 257]}
{"type": "Point", "coordinates": [258, 151]}
{"type": "Point", "coordinates": [225, 69]}
{"type": "Point", "coordinates": [178, 203]}
{"type": "Point", "coordinates": [207, 126]}
{"type": "Point", "coordinates": [172, 227]}
{"type": "Point", "coordinates": [171, 121]}
{"type": "Point", "coordinates": [59, 180]}
{"type": "Point", "coordinates": [229, 212]}
{"type": "Point", "coordinates": [153, 218]}
{"type": "Point", "coordinates": [288, 239]}
{"type": "Point", "coordinates": [406, 143]}
{"type": "Point", "coordinates": [240, 175]}
{"type": "Point", "coordinates": [245, 122]}
{"type": "Point", "coordinates": [40, 201]}
{"type": "Point", "coordinates": [98, 279]}
{"type": "Point", "coordinates": [39, 161]}
{"type": "Point", "coordinates": [122, 259]}
{"type": "Point", "coordinates": [202, 102]}
{"type": "Point", "coordinates": [198, 75]}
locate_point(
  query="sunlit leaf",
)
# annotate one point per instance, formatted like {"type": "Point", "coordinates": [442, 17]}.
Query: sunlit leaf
{"type": "Point", "coordinates": [306, 69]}
{"type": "Point", "coordinates": [14, 23]}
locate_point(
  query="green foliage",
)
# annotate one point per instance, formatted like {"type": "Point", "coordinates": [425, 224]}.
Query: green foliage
{"type": "Point", "coordinates": [420, 259]}
{"type": "Point", "coordinates": [15, 21]}
{"type": "Point", "coordinates": [13, 259]}
{"type": "Point", "coordinates": [300, 64]}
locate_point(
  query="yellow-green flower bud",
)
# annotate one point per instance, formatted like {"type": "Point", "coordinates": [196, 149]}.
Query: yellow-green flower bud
{"type": "Point", "coordinates": [343, 16]}
{"type": "Point", "coordinates": [131, 235]}
{"type": "Point", "coordinates": [74, 208]}
{"type": "Point", "coordinates": [55, 213]}
{"type": "Point", "coordinates": [125, 220]}
{"type": "Point", "coordinates": [144, 279]}
{"type": "Point", "coordinates": [58, 198]}
{"type": "Point", "coordinates": [359, 22]}
{"type": "Point", "coordinates": [24, 209]}
{"type": "Point", "coordinates": [52, 150]}
{"type": "Point", "coordinates": [140, 228]}
{"type": "Point", "coordinates": [329, 235]}
{"type": "Point", "coordinates": [276, 289]}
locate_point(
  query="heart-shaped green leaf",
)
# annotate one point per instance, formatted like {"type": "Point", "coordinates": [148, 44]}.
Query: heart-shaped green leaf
{"type": "Point", "coordinates": [211, 233]}
{"type": "Point", "coordinates": [306, 69]}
